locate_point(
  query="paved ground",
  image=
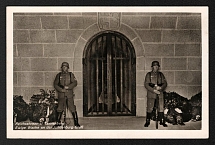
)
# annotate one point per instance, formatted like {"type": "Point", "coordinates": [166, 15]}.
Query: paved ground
{"type": "Point", "coordinates": [130, 123]}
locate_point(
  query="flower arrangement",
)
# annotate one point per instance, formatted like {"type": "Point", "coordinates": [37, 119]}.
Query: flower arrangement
{"type": "Point", "coordinates": [42, 107]}
{"type": "Point", "coordinates": [20, 109]}
{"type": "Point", "coordinates": [196, 102]}
{"type": "Point", "coordinates": [179, 109]}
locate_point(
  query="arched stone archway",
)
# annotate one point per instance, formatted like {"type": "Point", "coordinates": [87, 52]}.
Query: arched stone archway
{"type": "Point", "coordinates": [140, 64]}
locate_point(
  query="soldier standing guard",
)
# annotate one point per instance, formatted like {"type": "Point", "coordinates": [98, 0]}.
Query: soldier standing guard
{"type": "Point", "coordinates": [64, 83]}
{"type": "Point", "coordinates": [155, 83]}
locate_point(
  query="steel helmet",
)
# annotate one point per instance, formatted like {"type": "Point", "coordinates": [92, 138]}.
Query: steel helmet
{"type": "Point", "coordinates": [154, 63]}
{"type": "Point", "coordinates": [65, 64]}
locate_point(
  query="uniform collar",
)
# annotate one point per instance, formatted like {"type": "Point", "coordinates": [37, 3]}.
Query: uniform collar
{"type": "Point", "coordinates": [154, 72]}
{"type": "Point", "coordinates": [64, 72]}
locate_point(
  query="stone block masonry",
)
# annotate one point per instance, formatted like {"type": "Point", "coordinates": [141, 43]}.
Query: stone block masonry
{"type": "Point", "coordinates": [42, 36]}
{"type": "Point", "coordinates": [163, 22]}
{"type": "Point", "coordinates": [54, 22]}
{"type": "Point", "coordinates": [30, 50]}
{"type": "Point", "coordinates": [23, 22]}
{"type": "Point", "coordinates": [175, 41]}
{"type": "Point", "coordinates": [42, 41]}
{"type": "Point", "coordinates": [181, 36]}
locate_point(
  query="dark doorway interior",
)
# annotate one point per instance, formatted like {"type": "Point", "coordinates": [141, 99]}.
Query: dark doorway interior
{"type": "Point", "coordinates": [109, 74]}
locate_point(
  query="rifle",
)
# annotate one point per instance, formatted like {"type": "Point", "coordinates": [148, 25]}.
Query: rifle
{"type": "Point", "coordinates": [156, 112]}
{"type": "Point", "coordinates": [64, 112]}
{"type": "Point", "coordinates": [64, 119]}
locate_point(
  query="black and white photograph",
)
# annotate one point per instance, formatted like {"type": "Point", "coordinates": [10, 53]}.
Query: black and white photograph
{"type": "Point", "coordinates": [107, 72]}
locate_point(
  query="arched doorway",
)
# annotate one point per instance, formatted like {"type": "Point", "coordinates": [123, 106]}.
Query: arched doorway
{"type": "Point", "coordinates": [109, 73]}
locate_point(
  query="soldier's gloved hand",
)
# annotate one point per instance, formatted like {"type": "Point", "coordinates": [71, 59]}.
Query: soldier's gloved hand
{"type": "Point", "coordinates": [63, 90]}
{"type": "Point", "coordinates": [66, 87]}
{"type": "Point", "coordinates": [158, 88]}
{"type": "Point", "coordinates": [157, 92]}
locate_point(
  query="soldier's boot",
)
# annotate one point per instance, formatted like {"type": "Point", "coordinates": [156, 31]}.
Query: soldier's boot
{"type": "Point", "coordinates": [181, 122]}
{"type": "Point", "coordinates": [75, 117]}
{"type": "Point", "coordinates": [162, 119]}
{"type": "Point", "coordinates": [174, 122]}
{"type": "Point", "coordinates": [58, 119]}
{"type": "Point", "coordinates": [148, 117]}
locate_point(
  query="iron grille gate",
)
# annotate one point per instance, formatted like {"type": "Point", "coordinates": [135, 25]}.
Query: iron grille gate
{"type": "Point", "coordinates": [109, 76]}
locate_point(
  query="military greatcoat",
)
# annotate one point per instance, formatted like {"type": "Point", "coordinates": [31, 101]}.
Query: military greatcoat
{"type": "Point", "coordinates": [155, 78]}
{"type": "Point", "coordinates": [65, 79]}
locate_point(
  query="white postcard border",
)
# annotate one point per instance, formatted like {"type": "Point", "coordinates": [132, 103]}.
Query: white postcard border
{"type": "Point", "coordinates": [84, 134]}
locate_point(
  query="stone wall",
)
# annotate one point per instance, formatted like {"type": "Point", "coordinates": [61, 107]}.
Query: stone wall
{"type": "Point", "coordinates": [42, 41]}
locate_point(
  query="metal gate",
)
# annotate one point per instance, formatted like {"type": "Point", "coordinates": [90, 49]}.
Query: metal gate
{"type": "Point", "coordinates": [109, 65]}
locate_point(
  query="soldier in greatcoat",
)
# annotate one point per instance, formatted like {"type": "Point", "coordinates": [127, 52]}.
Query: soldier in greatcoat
{"type": "Point", "coordinates": [64, 83]}
{"type": "Point", "coordinates": [155, 83]}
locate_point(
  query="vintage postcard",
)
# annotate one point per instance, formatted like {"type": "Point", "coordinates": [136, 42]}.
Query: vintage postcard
{"type": "Point", "coordinates": [107, 72]}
